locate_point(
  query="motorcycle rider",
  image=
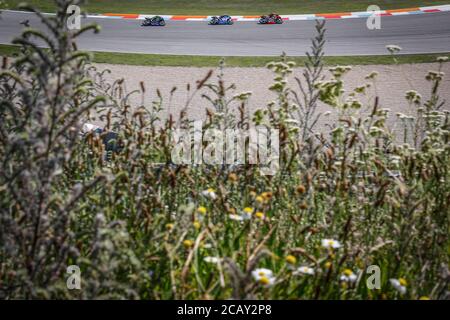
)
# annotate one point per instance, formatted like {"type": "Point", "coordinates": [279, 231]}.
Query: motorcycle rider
{"type": "Point", "coordinates": [273, 16]}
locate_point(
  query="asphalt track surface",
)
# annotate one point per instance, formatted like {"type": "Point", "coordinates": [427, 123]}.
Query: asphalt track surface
{"type": "Point", "coordinates": [424, 33]}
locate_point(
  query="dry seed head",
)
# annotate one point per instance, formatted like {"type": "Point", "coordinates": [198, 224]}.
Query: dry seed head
{"type": "Point", "coordinates": [301, 189]}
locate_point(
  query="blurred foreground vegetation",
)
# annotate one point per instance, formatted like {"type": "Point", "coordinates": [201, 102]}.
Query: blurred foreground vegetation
{"type": "Point", "coordinates": [346, 197]}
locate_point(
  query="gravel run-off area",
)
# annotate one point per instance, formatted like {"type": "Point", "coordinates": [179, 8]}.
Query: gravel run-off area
{"type": "Point", "coordinates": [391, 84]}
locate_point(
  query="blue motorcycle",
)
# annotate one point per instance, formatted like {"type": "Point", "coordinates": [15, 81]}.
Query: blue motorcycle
{"type": "Point", "coordinates": [222, 20]}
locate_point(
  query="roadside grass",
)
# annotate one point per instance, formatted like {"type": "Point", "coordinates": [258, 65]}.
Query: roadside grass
{"type": "Point", "coordinates": [236, 7]}
{"type": "Point", "coordinates": [213, 61]}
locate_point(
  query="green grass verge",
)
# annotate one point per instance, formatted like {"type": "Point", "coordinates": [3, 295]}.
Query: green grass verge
{"type": "Point", "coordinates": [236, 7]}
{"type": "Point", "coordinates": [210, 61]}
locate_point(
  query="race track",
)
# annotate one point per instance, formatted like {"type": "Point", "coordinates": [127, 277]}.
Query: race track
{"type": "Point", "coordinates": [425, 33]}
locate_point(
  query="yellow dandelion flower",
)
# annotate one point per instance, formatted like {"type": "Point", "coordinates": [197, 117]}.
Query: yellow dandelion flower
{"type": "Point", "coordinates": [291, 259]}
{"type": "Point", "coordinates": [169, 226]}
{"type": "Point", "coordinates": [259, 199]}
{"type": "Point", "coordinates": [188, 243]}
{"type": "Point", "coordinates": [260, 215]}
{"type": "Point", "coordinates": [201, 210]}
{"type": "Point", "coordinates": [197, 225]}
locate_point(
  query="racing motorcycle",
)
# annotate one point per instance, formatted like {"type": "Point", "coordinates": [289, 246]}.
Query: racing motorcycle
{"type": "Point", "coordinates": [155, 21]}
{"type": "Point", "coordinates": [271, 19]}
{"type": "Point", "coordinates": [222, 20]}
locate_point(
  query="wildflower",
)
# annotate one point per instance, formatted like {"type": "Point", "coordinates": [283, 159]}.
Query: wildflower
{"type": "Point", "coordinates": [201, 210]}
{"type": "Point", "coordinates": [188, 243]}
{"type": "Point", "coordinates": [424, 298]}
{"type": "Point", "coordinates": [434, 76]}
{"type": "Point", "coordinates": [267, 282]}
{"type": "Point", "coordinates": [264, 276]}
{"type": "Point", "coordinates": [331, 244]}
{"type": "Point", "coordinates": [395, 160]}
{"type": "Point", "coordinates": [267, 195]}
{"type": "Point", "coordinates": [399, 285]}
{"type": "Point", "coordinates": [291, 259]}
{"type": "Point", "coordinates": [247, 213]}
{"type": "Point", "coordinates": [305, 270]}
{"type": "Point", "coordinates": [339, 71]}
{"type": "Point", "coordinates": [348, 276]}
{"type": "Point", "coordinates": [262, 272]}
{"type": "Point", "coordinates": [260, 215]}
{"type": "Point", "coordinates": [212, 260]}
{"type": "Point", "coordinates": [209, 193]}
{"type": "Point", "coordinates": [259, 199]}
{"type": "Point", "coordinates": [413, 96]}
{"type": "Point", "coordinates": [169, 226]}
{"type": "Point", "coordinates": [327, 265]}
{"type": "Point", "coordinates": [236, 217]}
{"type": "Point", "coordinates": [197, 225]}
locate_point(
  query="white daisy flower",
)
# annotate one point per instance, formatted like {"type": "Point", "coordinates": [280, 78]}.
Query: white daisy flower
{"type": "Point", "coordinates": [209, 193]}
{"type": "Point", "coordinates": [247, 213]}
{"type": "Point", "coordinates": [348, 276]}
{"type": "Point", "coordinates": [236, 217]}
{"type": "Point", "coordinates": [331, 244]}
{"type": "Point", "coordinates": [212, 259]}
{"type": "Point", "coordinates": [262, 272]}
{"type": "Point", "coordinates": [260, 215]}
{"type": "Point", "coordinates": [264, 276]}
{"type": "Point", "coordinates": [399, 285]}
{"type": "Point", "coordinates": [305, 270]}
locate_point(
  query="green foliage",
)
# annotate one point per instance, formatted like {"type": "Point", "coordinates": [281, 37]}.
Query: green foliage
{"type": "Point", "coordinates": [345, 197]}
